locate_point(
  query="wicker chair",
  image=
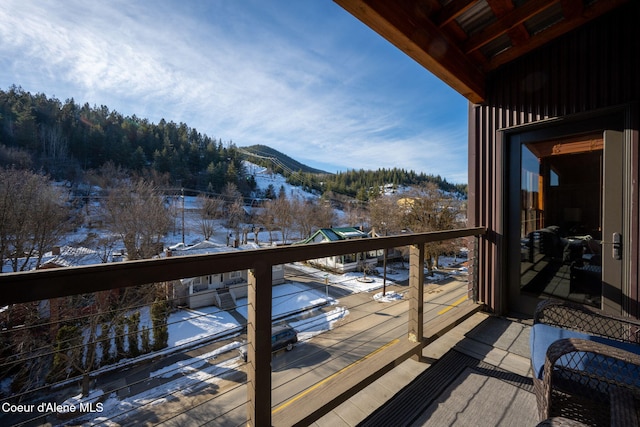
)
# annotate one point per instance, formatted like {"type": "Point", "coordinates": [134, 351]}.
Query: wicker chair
{"type": "Point", "coordinates": [586, 364]}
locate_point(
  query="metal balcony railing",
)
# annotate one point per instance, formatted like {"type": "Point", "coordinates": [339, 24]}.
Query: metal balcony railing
{"type": "Point", "coordinates": [30, 289]}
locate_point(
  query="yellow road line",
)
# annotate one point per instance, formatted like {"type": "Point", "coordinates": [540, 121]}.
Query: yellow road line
{"type": "Point", "coordinates": [460, 301]}
{"type": "Point", "coordinates": [318, 384]}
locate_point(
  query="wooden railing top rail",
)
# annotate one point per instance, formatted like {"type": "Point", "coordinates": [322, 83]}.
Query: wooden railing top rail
{"type": "Point", "coordinates": [52, 283]}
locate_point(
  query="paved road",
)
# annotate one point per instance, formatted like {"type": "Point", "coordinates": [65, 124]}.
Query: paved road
{"type": "Point", "coordinates": [369, 326]}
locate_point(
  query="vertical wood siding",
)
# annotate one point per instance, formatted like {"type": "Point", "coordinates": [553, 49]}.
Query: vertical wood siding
{"type": "Point", "coordinates": [593, 68]}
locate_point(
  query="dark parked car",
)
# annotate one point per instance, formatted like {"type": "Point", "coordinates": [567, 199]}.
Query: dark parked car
{"type": "Point", "coordinates": [282, 336]}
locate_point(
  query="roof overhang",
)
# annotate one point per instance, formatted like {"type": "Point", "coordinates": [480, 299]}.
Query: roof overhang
{"type": "Point", "coordinates": [461, 41]}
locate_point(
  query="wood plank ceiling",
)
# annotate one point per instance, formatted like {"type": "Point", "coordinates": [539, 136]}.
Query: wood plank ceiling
{"type": "Point", "coordinates": [460, 41]}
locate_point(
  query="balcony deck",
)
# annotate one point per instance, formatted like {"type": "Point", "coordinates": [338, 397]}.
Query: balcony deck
{"type": "Point", "coordinates": [476, 374]}
{"type": "Point", "coordinates": [379, 340]}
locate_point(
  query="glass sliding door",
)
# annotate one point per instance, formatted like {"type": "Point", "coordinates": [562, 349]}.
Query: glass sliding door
{"type": "Point", "coordinates": [560, 214]}
{"type": "Point", "coordinates": [568, 212]}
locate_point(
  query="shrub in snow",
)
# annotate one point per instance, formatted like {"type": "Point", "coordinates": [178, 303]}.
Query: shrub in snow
{"type": "Point", "coordinates": [159, 316]}
{"type": "Point", "coordinates": [67, 351]}
{"type": "Point", "coordinates": [145, 336]}
{"type": "Point", "coordinates": [133, 323]}
{"type": "Point", "coordinates": [119, 338]}
{"type": "Point", "coordinates": [105, 343]}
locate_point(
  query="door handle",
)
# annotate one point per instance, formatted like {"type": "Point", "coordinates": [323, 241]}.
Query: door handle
{"type": "Point", "coordinates": [616, 251]}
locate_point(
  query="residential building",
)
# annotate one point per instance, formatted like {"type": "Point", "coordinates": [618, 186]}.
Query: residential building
{"type": "Point", "coordinates": [342, 263]}
{"type": "Point", "coordinates": [221, 289]}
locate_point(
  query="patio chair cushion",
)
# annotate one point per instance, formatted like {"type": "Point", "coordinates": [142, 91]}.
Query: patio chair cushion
{"type": "Point", "coordinates": [542, 336]}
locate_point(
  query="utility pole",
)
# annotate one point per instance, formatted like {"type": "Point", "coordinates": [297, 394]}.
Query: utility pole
{"type": "Point", "coordinates": [326, 285]}
{"type": "Point", "coordinates": [182, 192]}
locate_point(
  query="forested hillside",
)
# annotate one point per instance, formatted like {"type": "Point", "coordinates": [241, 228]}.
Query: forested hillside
{"type": "Point", "coordinates": [66, 139]}
{"type": "Point", "coordinates": [361, 184]}
{"type": "Point", "coordinates": [277, 161]}
{"type": "Point", "coordinates": [366, 184]}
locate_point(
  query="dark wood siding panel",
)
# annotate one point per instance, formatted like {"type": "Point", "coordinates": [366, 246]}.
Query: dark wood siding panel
{"type": "Point", "coordinates": [593, 68]}
{"type": "Point", "coordinates": [482, 188]}
{"type": "Point", "coordinates": [634, 292]}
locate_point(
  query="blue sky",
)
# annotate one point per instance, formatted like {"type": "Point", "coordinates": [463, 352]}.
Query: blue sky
{"type": "Point", "coordinates": [304, 77]}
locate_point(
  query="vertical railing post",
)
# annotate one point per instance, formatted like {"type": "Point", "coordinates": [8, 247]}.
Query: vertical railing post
{"type": "Point", "coordinates": [473, 269]}
{"type": "Point", "coordinates": [416, 293]}
{"type": "Point", "coordinates": [259, 346]}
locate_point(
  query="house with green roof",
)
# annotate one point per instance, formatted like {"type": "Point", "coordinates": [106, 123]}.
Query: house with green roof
{"type": "Point", "coordinates": [342, 263]}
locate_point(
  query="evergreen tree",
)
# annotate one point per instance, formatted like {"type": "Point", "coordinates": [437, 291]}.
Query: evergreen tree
{"type": "Point", "coordinates": [105, 343]}
{"type": "Point", "coordinates": [159, 316]}
{"type": "Point", "coordinates": [133, 323]}
{"type": "Point", "coordinates": [119, 338]}
{"type": "Point", "coordinates": [68, 349]}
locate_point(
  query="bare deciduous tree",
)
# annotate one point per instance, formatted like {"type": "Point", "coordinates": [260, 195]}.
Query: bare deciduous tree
{"type": "Point", "coordinates": [310, 215]}
{"type": "Point", "coordinates": [324, 214]}
{"type": "Point", "coordinates": [422, 209]}
{"type": "Point", "coordinates": [24, 348]}
{"type": "Point", "coordinates": [211, 210]}
{"type": "Point", "coordinates": [278, 215]}
{"type": "Point", "coordinates": [137, 213]}
{"type": "Point", "coordinates": [267, 219]}
{"type": "Point", "coordinates": [426, 208]}
{"type": "Point", "coordinates": [385, 214]}
{"type": "Point", "coordinates": [303, 214]}
{"type": "Point", "coordinates": [283, 216]}
{"type": "Point", "coordinates": [355, 213]}
{"type": "Point", "coordinates": [234, 208]}
{"type": "Point", "coordinates": [33, 215]}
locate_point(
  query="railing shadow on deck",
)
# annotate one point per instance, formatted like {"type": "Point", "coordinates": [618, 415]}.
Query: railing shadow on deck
{"type": "Point", "coordinates": [479, 375]}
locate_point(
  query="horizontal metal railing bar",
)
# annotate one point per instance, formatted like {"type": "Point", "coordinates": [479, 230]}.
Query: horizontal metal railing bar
{"type": "Point", "coordinates": [40, 285]}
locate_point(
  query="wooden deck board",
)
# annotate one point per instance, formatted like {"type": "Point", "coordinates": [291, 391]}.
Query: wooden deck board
{"type": "Point", "coordinates": [475, 337]}
{"type": "Point", "coordinates": [327, 395]}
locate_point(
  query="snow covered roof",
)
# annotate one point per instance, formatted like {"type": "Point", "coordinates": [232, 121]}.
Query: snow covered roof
{"type": "Point", "coordinates": [335, 234]}
{"type": "Point", "coordinates": [349, 233]}
{"type": "Point", "coordinates": [205, 247]}
{"type": "Point", "coordinates": [69, 256]}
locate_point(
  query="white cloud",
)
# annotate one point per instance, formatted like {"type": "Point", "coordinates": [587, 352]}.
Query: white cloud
{"type": "Point", "coordinates": [250, 73]}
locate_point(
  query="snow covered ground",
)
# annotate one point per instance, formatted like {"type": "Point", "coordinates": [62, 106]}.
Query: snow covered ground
{"type": "Point", "coordinates": [264, 178]}
{"type": "Point", "coordinates": [194, 327]}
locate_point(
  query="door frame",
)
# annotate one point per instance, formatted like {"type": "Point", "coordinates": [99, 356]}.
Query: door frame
{"type": "Point", "coordinates": [509, 141]}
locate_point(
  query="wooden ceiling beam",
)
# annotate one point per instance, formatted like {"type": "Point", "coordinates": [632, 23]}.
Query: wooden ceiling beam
{"type": "Point", "coordinates": [518, 34]}
{"type": "Point", "coordinates": [430, 34]}
{"type": "Point", "coordinates": [451, 11]}
{"type": "Point", "coordinates": [506, 23]}
{"type": "Point", "coordinates": [407, 26]}
{"type": "Point", "coordinates": [555, 31]}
